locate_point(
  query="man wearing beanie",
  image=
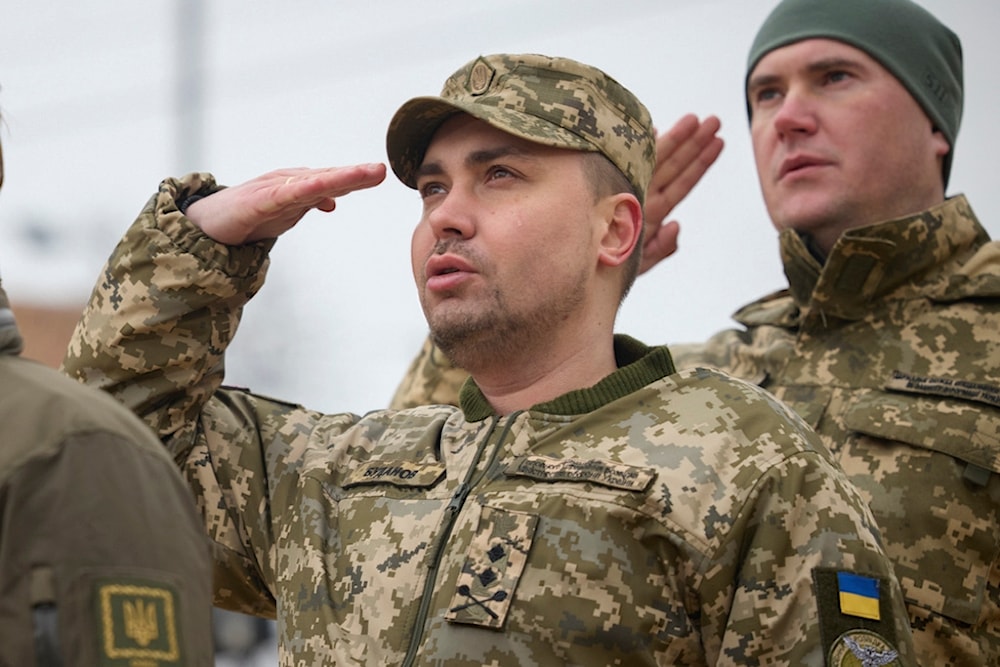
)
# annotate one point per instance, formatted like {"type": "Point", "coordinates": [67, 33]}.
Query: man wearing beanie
{"type": "Point", "coordinates": [584, 505]}
{"type": "Point", "coordinates": [886, 340]}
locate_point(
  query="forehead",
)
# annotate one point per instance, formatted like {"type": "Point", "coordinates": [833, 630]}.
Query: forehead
{"type": "Point", "coordinates": [806, 53]}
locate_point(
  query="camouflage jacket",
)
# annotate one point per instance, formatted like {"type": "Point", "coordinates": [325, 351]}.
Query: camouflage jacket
{"type": "Point", "coordinates": [891, 351]}
{"type": "Point", "coordinates": [654, 518]}
{"type": "Point", "coordinates": [103, 558]}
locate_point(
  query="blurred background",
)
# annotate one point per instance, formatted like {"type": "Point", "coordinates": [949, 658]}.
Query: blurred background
{"type": "Point", "coordinates": [101, 100]}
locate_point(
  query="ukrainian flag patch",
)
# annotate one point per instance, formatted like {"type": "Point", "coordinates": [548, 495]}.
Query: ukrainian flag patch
{"type": "Point", "coordinates": [854, 606]}
{"type": "Point", "coordinates": [859, 595]}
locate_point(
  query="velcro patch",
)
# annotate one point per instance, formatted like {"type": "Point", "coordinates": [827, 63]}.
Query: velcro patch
{"type": "Point", "coordinates": [396, 473]}
{"type": "Point", "coordinates": [861, 647]}
{"type": "Point", "coordinates": [496, 560]}
{"type": "Point", "coordinates": [137, 623]}
{"type": "Point", "coordinates": [859, 595]}
{"type": "Point", "coordinates": [853, 602]}
{"type": "Point", "coordinates": [596, 471]}
{"type": "Point", "coordinates": [980, 392]}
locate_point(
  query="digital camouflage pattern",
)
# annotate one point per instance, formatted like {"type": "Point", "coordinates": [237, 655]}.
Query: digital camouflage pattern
{"type": "Point", "coordinates": [551, 101]}
{"type": "Point", "coordinates": [654, 518]}
{"type": "Point", "coordinates": [891, 351]}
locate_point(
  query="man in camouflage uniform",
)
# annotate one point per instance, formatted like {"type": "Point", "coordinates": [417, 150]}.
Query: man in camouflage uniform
{"type": "Point", "coordinates": [103, 560]}
{"type": "Point", "coordinates": [886, 339]}
{"type": "Point", "coordinates": [585, 505]}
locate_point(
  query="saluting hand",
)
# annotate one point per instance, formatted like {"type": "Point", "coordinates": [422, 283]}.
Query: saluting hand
{"type": "Point", "coordinates": [683, 155]}
{"type": "Point", "coordinates": [270, 205]}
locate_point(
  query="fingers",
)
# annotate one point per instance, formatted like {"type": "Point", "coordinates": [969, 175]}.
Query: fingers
{"type": "Point", "coordinates": [295, 192]}
{"type": "Point", "coordinates": [659, 245]}
{"type": "Point", "coordinates": [270, 205]}
{"type": "Point", "coordinates": [683, 155]}
{"type": "Point", "coordinates": [302, 185]}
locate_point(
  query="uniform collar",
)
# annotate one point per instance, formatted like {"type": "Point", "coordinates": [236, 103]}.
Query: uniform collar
{"type": "Point", "coordinates": [868, 263]}
{"type": "Point", "coordinates": [638, 365]}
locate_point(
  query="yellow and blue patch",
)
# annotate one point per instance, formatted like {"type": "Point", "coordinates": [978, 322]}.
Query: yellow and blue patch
{"type": "Point", "coordinates": [855, 612]}
{"type": "Point", "coordinates": [859, 595]}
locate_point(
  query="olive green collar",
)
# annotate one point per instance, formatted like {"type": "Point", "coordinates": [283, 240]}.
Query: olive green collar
{"type": "Point", "coordinates": [638, 365]}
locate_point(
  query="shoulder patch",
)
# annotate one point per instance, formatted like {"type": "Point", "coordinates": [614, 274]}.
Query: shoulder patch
{"type": "Point", "coordinates": [857, 648]}
{"type": "Point", "coordinates": [596, 471]}
{"type": "Point", "coordinates": [856, 606]}
{"type": "Point", "coordinates": [137, 623]}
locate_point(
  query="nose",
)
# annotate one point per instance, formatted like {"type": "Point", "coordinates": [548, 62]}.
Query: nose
{"type": "Point", "coordinates": [796, 116]}
{"type": "Point", "coordinates": [452, 215]}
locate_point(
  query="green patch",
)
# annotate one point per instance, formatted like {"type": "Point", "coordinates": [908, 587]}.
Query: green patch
{"type": "Point", "coordinates": [137, 623]}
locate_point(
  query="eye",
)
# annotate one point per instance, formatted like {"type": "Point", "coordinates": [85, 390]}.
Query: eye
{"type": "Point", "coordinates": [430, 188]}
{"type": "Point", "coordinates": [836, 76]}
{"type": "Point", "coordinates": [497, 172]}
{"type": "Point", "coordinates": [762, 96]}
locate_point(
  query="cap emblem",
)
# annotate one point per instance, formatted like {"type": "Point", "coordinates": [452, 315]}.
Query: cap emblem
{"type": "Point", "coordinates": [480, 77]}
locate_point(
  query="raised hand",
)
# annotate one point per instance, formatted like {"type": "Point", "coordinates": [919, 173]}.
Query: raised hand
{"type": "Point", "coordinates": [269, 205]}
{"type": "Point", "coordinates": [683, 155]}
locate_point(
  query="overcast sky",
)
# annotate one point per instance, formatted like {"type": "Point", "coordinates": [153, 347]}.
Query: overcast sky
{"type": "Point", "coordinates": [90, 96]}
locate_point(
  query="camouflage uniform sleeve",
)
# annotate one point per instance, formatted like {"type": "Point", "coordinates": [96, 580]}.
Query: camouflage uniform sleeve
{"type": "Point", "coordinates": [154, 335]}
{"type": "Point", "coordinates": [801, 534]}
{"type": "Point", "coordinates": [431, 380]}
{"type": "Point", "coordinates": [162, 313]}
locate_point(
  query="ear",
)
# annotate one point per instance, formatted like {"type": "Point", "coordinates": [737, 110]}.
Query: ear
{"type": "Point", "coordinates": [622, 231]}
{"type": "Point", "coordinates": [940, 143]}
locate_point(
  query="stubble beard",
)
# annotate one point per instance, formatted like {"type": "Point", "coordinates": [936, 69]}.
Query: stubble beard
{"type": "Point", "coordinates": [496, 334]}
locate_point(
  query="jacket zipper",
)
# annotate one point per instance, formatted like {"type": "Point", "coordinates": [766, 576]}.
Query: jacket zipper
{"type": "Point", "coordinates": [455, 505]}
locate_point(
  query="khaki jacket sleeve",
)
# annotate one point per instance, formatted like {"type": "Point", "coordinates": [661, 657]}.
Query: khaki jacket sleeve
{"type": "Point", "coordinates": [104, 558]}
{"type": "Point", "coordinates": [154, 335]}
{"type": "Point", "coordinates": [165, 308]}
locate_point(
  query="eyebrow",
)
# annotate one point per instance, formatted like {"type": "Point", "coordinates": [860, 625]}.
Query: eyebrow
{"type": "Point", "coordinates": [823, 65]}
{"type": "Point", "coordinates": [475, 158]}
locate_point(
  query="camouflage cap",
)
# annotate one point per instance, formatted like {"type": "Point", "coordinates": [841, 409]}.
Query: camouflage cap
{"type": "Point", "coordinates": [551, 101]}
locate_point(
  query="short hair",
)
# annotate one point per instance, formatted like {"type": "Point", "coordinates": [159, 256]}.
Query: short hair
{"type": "Point", "coordinates": [605, 179]}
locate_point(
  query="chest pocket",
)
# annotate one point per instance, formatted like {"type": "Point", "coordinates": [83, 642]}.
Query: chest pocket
{"type": "Point", "coordinates": [499, 550]}
{"type": "Point", "coordinates": [495, 562]}
{"type": "Point", "coordinates": [965, 430]}
{"type": "Point", "coordinates": [929, 465]}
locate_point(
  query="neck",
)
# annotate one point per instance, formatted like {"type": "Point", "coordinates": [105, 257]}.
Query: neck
{"type": "Point", "coordinates": [541, 372]}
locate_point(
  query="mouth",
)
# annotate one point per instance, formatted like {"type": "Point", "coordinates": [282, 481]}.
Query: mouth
{"type": "Point", "coordinates": [441, 265]}
{"type": "Point", "coordinates": [800, 164]}
{"type": "Point", "coordinates": [445, 272]}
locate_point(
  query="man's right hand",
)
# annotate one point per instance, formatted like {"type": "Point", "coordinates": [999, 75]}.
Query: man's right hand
{"type": "Point", "coordinates": [269, 205]}
{"type": "Point", "coordinates": [683, 155]}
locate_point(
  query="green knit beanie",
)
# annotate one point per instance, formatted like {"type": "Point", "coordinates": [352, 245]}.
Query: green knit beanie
{"type": "Point", "coordinates": [903, 37]}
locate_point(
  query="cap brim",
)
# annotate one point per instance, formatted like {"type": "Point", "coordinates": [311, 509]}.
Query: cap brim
{"type": "Point", "coordinates": [413, 126]}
